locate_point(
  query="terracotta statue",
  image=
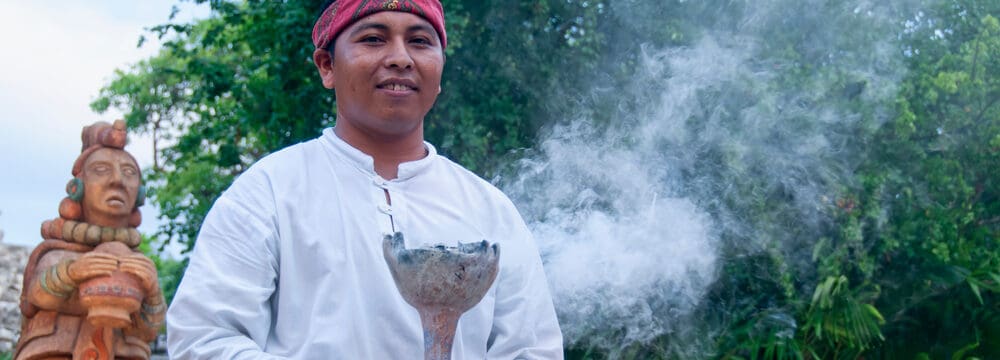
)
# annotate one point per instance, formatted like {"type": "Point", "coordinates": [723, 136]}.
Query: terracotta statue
{"type": "Point", "coordinates": [442, 283]}
{"type": "Point", "coordinates": [88, 292]}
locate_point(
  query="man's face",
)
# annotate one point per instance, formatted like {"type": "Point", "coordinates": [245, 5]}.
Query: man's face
{"type": "Point", "coordinates": [386, 71]}
{"type": "Point", "coordinates": [111, 184]}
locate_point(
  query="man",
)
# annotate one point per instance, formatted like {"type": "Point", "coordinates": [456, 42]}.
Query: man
{"type": "Point", "coordinates": [289, 261]}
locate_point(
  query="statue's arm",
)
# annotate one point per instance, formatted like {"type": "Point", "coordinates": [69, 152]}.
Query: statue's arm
{"type": "Point", "coordinates": [58, 273]}
{"type": "Point", "coordinates": [148, 320]}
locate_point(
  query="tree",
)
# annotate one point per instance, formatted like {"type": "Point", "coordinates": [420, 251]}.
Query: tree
{"type": "Point", "coordinates": [932, 174]}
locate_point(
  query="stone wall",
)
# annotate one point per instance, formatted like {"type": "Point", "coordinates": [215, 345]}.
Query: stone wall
{"type": "Point", "coordinates": [12, 262]}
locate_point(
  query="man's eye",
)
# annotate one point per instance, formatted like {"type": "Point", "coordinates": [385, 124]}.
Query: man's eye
{"type": "Point", "coordinates": [371, 39]}
{"type": "Point", "coordinates": [420, 40]}
{"type": "Point", "coordinates": [129, 171]}
{"type": "Point", "coordinates": [101, 168]}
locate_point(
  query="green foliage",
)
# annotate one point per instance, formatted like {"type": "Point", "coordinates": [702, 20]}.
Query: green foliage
{"type": "Point", "coordinates": [933, 171]}
{"type": "Point", "coordinates": [842, 321]}
{"type": "Point", "coordinates": [909, 263]}
{"type": "Point", "coordinates": [769, 335]}
{"type": "Point", "coordinates": [496, 79]}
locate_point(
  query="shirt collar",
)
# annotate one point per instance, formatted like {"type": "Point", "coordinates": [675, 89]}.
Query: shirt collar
{"type": "Point", "coordinates": [366, 163]}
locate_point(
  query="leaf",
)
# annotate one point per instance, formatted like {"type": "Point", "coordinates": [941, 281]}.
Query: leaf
{"type": "Point", "coordinates": [874, 312]}
{"type": "Point", "coordinates": [975, 290]}
{"type": "Point", "coordinates": [817, 293]}
{"type": "Point", "coordinates": [820, 248]}
{"type": "Point", "coordinates": [960, 354]}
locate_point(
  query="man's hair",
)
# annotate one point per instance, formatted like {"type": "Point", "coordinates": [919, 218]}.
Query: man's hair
{"type": "Point", "coordinates": [326, 4]}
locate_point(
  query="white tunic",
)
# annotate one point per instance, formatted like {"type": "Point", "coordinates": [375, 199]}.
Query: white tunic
{"type": "Point", "coordinates": [289, 264]}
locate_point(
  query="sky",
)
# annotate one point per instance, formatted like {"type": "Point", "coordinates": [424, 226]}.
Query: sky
{"type": "Point", "coordinates": [56, 55]}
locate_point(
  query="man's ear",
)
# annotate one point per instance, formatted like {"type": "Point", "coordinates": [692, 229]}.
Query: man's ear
{"type": "Point", "coordinates": [324, 64]}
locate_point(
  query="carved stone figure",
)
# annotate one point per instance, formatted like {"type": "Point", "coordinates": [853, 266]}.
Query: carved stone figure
{"type": "Point", "coordinates": [442, 283]}
{"type": "Point", "coordinates": [88, 292]}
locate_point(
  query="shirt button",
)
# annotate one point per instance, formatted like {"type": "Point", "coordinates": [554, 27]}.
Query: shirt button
{"type": "Point", "coordinates": [380, 182]}
{"type": "Point", "coordinates": [385, 209]}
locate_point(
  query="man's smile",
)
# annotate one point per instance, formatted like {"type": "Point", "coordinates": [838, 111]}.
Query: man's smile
{"type": "Point", "coordinates": [398, 85]}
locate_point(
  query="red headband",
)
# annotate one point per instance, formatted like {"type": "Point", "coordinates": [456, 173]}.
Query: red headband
{"type": "Point", "coordinates": [342, 13]}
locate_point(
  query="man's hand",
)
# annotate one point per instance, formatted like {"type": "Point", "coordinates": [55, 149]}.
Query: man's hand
{"type": "Point", "coordinates": [91, 265]}
{"type": "Point", "coordinates": [143, 269]}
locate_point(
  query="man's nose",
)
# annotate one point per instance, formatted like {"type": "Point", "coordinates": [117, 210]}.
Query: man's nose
{"type": "Point", "coordinates": [398, 56]}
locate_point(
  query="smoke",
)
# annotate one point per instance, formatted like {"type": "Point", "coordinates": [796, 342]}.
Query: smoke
{"type": "Point", "coordinates": [732, 143]}
{"type": "Point", "coordinates": [612, 237]}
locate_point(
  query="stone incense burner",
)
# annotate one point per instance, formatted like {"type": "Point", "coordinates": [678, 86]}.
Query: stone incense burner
{"type": "Point", "coordinates": [441, 282]}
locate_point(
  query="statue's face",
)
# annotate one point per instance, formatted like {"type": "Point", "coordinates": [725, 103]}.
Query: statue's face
{"type": "Point", "coordinates": [111, 184]}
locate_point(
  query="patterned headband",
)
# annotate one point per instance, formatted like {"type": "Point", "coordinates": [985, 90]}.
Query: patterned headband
{"type": "Point", "coordinates": [342, 13]}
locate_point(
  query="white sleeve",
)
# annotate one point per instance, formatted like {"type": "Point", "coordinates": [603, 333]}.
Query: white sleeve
{"type": "Point", "coordinates": [524, 319]}
{"type": "Point", "coordinates": [222, 309]}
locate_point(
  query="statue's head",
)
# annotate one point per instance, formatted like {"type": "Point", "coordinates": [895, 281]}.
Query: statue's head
{"type": "Point", "coordinates": [106, 188]}
{"type": "Point", "coordinates": [110, 179]}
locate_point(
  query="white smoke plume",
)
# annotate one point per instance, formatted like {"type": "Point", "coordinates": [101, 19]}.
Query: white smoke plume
{"type": "Point", "coordinates": [632, 214]}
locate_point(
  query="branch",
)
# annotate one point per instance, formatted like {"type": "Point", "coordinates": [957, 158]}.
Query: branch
{"type": "Point", "coordinates": [986, 108]}
{"type": "Point", "coordinates": [994, 220]}
{"type": "Point", "coordinates": [980, 189]}
{"type": "Point", "coordinates": [156, 138]}
{"type": "Point", "coordinates": [975, 61]}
